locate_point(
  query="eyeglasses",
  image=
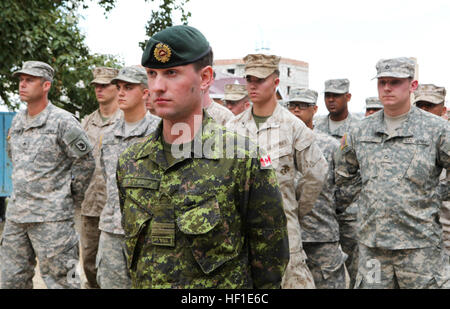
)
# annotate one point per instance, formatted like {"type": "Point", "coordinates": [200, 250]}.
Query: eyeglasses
{"type": "Point", "coordinates": [300, 105]}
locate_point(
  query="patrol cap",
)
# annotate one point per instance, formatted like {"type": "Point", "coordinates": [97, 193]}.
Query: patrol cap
{"type": "Point", "coordinates": [260, 65]}
{"type": "Point", "coordinates": [235, 92]}
{"type": "Point", "coordinates": [36, 68]}
{"type": "Point", "coordinates": [430, 93]}
{"type": "Point", "coordinates": [103, 75]}
{"type": "Point", "coordinates": [132, 74]}
{"type": "Point", "coordinates": [373, 102]}
{"type": "Point", "coordinates": [397, 67]}
{"type": "Point", "coordinates": [175, 46]}
{"type": "Point", "coordinates": [338, 86]}
{"type": "Point", "coordinates": [303, 95]}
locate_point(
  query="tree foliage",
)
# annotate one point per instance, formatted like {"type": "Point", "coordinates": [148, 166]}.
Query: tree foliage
{"type": "Point", "coordinates": [48, 31]}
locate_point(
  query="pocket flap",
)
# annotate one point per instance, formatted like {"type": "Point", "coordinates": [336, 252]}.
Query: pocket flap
{"type": "Point", "coordinates": [201, 219]}
{"type": "Point", "coordinates": [147, 183]}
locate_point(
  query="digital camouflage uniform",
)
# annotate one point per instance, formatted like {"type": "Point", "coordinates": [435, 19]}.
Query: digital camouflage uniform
{"type": "Point", "coordinates": [210, 221]}
{"type": "Point", "coordinates": [219, 113]}
{"type": "Point", "coordinates": [399, 205]}
{"type": "Point", "coordinates": [52, 166]}
{"type": "Point", "coordinates": [292, 148]}
{"type": "Point", "coordinates": [95, 197]}
{"type": "Point", "coordinates": [347, 218]}
{"type": "Point", "coordinates": [320, 228]}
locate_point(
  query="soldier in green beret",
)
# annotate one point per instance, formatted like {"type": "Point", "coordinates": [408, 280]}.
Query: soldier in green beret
{"type": "Point", "coordinates": [197, 214]}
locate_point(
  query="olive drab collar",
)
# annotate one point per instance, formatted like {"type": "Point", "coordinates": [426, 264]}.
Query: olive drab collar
{"type": "Point", "coordinates": [153, 147]}
{"type": "Point", "coordinates": [274, 121]}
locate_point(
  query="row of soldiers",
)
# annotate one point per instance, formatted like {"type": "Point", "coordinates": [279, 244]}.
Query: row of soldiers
{"type": "Point", "coordinates": [264, 198]}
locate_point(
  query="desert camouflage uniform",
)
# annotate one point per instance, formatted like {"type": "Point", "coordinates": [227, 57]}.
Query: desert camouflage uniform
{"type": "Point", "coordinates": [347, 218]}
{"type": "Point", "coordinates": [398, 204]}
{"type": "Point", "coordinates": [52, 166]}
{"type": "Point", "coordinates": [219, 113]}
{"type": "Point", "coordinates": [111, 264]}
{"type": "Point", "coordinates": [320, 228]}
{"type": "Point", "coordinates": [212, 221]}
{"type": "Point", "coordinates": [95, 197]}
{"type": "Point", "coordinates": [292, 148]}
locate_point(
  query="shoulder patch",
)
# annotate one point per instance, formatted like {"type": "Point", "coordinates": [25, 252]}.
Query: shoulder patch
{"type": "Point", "coordinates": [344, 142]}
{"type": "Point", "coordinates": [266, 162]}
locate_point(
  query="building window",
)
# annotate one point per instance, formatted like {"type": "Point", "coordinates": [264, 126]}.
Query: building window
{"type": "Point", "coordinates": [231, 71]}
{"type": "Point", "coordinates": [289, 72]}
{"type": "Point", "coordinates": [288, 90]}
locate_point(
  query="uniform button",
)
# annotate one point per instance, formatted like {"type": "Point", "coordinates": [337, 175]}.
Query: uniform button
{"type": "Point", "coordinates": [386, 157]}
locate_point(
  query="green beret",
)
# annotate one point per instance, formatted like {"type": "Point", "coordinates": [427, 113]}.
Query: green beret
{"type": "Point", "coordinates": [175, 46]}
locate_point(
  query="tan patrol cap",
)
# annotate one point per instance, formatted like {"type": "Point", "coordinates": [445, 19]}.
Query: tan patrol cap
{"type": "Point", "coordinates": [104, 75]}
{"type": "Point", "coordinates": [430, 93]}
{"type": "Point", "coordinates": [260, 65]}
{"type": "Point", "coordinates": [235, 92]}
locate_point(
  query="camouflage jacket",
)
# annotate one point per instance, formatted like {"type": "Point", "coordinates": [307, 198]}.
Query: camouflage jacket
{"type": "Point", "coordinates": [219, 113]}
{"type": "Point", "coordinates": [52, 166]}
{"type": "Point", "coordinates": [214, 220]}
{"type": "Point", "coordinates": [95, 197]}
{"type": "Point", "coordinates": [114, 143]}
{"type": "Point", "coordinates": [321, 225]}
{"type": "Point", "coordinates": [398, 204]}
{"type": "Point", "coordinates": [292, 148]}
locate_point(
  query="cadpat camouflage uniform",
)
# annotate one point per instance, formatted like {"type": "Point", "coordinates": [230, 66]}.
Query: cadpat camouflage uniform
{"type": "Point", "coordinates": [399, 204]}
{"type": "Point", "coordinates": [210, 221]}
{"type": "Point", "coordinates": [52, 166]}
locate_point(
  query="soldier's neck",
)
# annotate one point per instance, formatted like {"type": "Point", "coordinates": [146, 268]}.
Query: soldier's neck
{"type": "Point", "coordinates": [265, 109]}
{"type": "Point", "coordinates": [339, 117]}
{"type": "Point", "coordinates": [182, 131]}
{"type": "Point", "coordinates": [35, 107]}
{"type": "Point", "coordinates": [395, 111]}
{"type": "Point", "coordinates": [107, 110]}
{"type": "Point", "coordinates": [134, 115]}
{"type": "Point", "coordinates": [206, 100]}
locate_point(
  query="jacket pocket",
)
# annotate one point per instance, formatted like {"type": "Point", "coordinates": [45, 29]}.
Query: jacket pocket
{"type": "Point", "coordinates": [212, 242]}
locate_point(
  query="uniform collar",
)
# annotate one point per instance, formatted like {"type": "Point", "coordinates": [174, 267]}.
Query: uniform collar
{"type": "Point", "coordinates": [39, 121]}
{"type": "Point", "coordinates": [274, 121]}
{"type": "Point", "coordinates": [119, 129]}
{"type": "Point", "coordinates": [405, 130]}
{"type": "Point", "coordinates": [98, 121]}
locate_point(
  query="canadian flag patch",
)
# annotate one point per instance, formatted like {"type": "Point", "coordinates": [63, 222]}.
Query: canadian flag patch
{"type": "Point", "coordinates": [265, 161]}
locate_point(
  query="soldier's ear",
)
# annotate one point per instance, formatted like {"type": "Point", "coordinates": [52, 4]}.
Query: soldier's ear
{"type": "Point", "coordinates": [206, 75]}
{"type": "Point", "coordinates": [414, 85]}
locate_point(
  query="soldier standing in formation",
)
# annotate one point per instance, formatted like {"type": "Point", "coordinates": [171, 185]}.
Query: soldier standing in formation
{"type": "Point", "coordinates": [336, 124]}
{"type": "Point", "coordinates": [236, 98]}
{"type": "Point", "coordinates": [432, 99]}
{"type": "Point", "coordinates": [136, 124]}
{"type": "Point", "coordinates": [373, 105]}
{"type": "Point", "coordinates": [197, 218]}
{"type": "Point", "coordinates": [52, 167]}
{"type": "Point", "coordinates": [400, 154]}
{"type": "Point", "coordinates": [320, 228]}
{"type": "Point", "coordinates": [95, 126]}
{"type": "Point", "coordinates": [292, 148]}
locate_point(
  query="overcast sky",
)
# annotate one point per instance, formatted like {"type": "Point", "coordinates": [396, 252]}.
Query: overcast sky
{"type": "Point", "coordinates": [339, 39]}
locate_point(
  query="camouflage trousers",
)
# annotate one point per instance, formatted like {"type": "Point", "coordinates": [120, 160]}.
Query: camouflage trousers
{"type": "Point", "coordinates": [349, 244]}
{"type": "Point", "coordinates": [297, 275]}
{"type": "Point", "coordinates": [90, 235]}
{"type": "Point", "coordinates": [326, 260]}
{"type": "Point", "coordinates": [112, 270]}
{"type": "Point", "coordinates": [424, 268]}
{"type": "Point", "coordinates": [445, 221]}
{"type": "Point", "coordinates": [55, 244]}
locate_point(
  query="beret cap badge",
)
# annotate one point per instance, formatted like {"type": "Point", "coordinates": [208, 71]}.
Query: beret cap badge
{"type": "Point", "coordinates": [162, 53]}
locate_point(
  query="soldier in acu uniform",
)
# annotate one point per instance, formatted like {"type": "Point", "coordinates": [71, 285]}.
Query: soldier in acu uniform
{"type": "Point", "coordinates": [336, 124]}
{"type": "Point", "coordinates": [95, 126]}
{"type": "Point", "coordinates": [137, 123]}
{"type": "Point", "coordinates": [292, 148]}
{"type": "Point", "coordinates": [199, 208]}
{"type": "Point", "coordinates": [400, 154]}
{"type": "Point", "coordinates": [52, 167]}
{"type": "Point", "coordinates": [373, 105]}
{"type": "Point", "coordinates": [320, 228]}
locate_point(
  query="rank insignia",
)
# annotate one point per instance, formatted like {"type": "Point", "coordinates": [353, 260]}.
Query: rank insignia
{"type": "Point", "coordinates": [162, 52]}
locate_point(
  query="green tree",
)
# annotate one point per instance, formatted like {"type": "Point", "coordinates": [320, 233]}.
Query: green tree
{"type": "Point", "coordinates": [48, 30]}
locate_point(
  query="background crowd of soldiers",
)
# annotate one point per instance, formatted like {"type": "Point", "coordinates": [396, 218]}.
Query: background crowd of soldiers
{"type": "Point", "coordinates": [329, 202]}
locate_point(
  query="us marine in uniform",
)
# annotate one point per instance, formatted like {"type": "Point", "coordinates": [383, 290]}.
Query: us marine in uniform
{"type": "Point", "coordinates": [194, 214]}
{"type": "Point", "coordinates": [400, 154]}
{"type": "Point", "coordinates": [52, 166]}
{"type": "Point", "coordinates": [292, 148]}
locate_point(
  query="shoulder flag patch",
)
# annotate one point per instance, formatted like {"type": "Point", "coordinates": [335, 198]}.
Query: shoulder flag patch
{"type": "Point", "coordinates": [344, 142]}
{"type": "Point", "coordinates": [265, 161]}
